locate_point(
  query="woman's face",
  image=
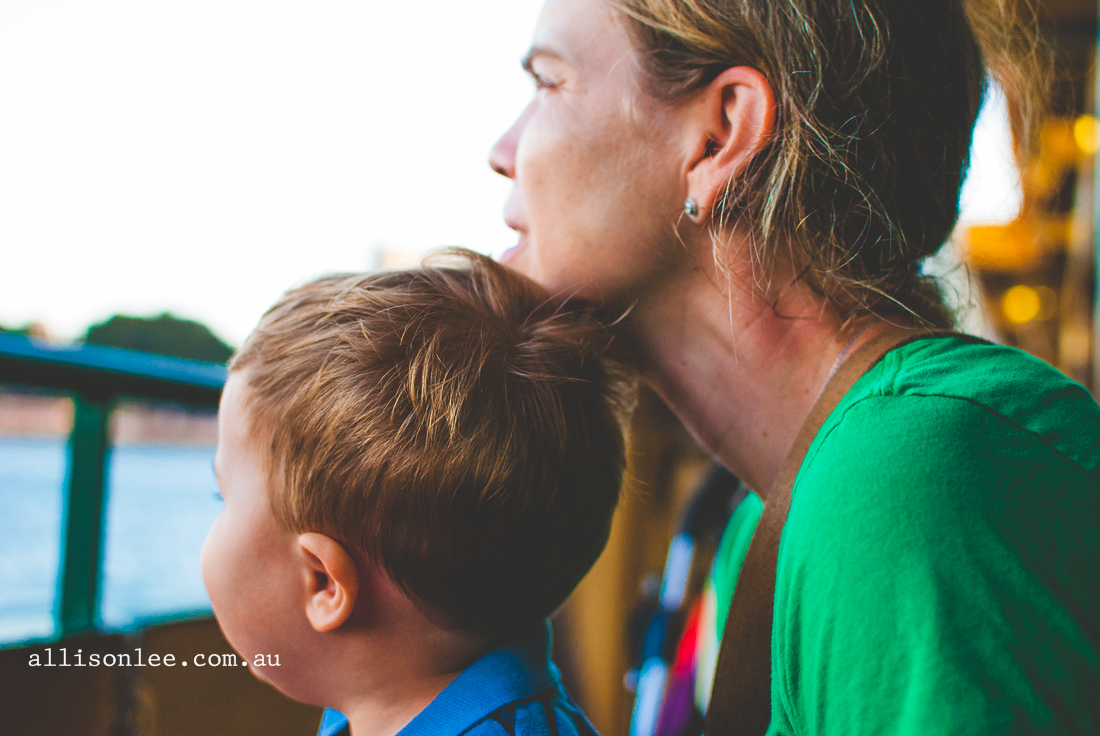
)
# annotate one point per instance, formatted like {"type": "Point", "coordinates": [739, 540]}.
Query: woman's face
{"type": "Point", "coordinates": [597, 170]}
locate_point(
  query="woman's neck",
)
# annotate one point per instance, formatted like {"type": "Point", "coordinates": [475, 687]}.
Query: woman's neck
{"type": "Point", "coordinates": [740, 373]}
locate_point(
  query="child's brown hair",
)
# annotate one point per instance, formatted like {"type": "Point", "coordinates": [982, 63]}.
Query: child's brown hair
{"type": "Point", "coordinates": [454, 423]}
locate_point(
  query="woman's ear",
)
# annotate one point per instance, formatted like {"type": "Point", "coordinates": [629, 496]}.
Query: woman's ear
{"type": "Point", "coordinates": [332, 583]}
{"type": "Point", "coordinates": [736, 118]}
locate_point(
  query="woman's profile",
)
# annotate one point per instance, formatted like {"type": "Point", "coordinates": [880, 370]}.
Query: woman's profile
{"type": "Point", "coordinates": [756, 183]}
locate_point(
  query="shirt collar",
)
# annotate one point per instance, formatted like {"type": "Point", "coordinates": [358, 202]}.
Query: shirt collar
{"type": "Point", "coordinates": [515, 671]}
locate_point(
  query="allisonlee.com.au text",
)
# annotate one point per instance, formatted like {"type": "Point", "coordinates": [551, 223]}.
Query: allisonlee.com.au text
{"type": "Point", "coordinates": [47, 658]}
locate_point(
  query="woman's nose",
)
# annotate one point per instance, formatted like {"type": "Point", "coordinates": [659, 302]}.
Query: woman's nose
{"type": "Point", "coordinates": [502, 156]}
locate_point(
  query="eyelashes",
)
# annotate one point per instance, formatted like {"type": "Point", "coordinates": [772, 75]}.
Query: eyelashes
{"type": "Point", "coordinates": [542, 82]}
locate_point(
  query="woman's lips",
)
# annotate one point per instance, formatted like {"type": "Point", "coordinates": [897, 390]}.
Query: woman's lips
{"type": "Point", "coordinates": [511, 252]}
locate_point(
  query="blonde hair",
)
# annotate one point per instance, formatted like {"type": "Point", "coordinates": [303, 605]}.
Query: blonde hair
{"type": "Point", "coordinates": [876, 101]}
{"type": "Point", "coordinates": [454, 423]}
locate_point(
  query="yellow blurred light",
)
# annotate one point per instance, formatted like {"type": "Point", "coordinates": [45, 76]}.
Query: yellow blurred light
{"type": "Point", "coordinates": [1012, 247]}
{"type": "Point", "coordinates": [1021, 304]}
{"type": "Point", "coordinates": [1086, 131]}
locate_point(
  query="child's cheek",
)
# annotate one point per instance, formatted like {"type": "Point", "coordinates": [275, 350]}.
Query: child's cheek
{"type": "Point", "coordinates": [215, 569]}
{"type": "Point", "coordinates": [206, 556]}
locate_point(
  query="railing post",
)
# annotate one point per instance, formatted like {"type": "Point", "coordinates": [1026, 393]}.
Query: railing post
{"type": "Point", "coordinates": [83, 517]}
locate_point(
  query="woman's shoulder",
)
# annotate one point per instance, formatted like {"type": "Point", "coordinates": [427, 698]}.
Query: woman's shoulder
{"type": "Point", "coordinates": [948, 449]}
{"type": "Point", "coordinates": [998, 376]}
{"type": "Point", "coordinates": [942, 528]}
{"type": "Point", "coordinates": [953, 404]}
{"type": "Point", "coordinates": [953, 457]}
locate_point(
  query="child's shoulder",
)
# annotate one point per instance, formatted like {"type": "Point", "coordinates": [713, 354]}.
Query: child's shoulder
{"type": "Point", "coordinates": [551, 713]}
{"type": "Point", "coordinates": [514, 689]}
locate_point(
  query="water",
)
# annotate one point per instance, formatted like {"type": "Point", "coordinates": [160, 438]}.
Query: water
{"type": "Point", "coordinates": [161, 502]}
{"type": "Point", "coordinates": [31, 474]}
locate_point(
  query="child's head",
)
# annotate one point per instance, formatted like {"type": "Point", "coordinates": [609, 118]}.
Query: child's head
{"type": "Point", "coordinates": [453, 425]}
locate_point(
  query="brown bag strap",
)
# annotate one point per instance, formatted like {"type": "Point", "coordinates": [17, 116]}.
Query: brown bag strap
{"type": "Point", "coordinates": [740, 701]}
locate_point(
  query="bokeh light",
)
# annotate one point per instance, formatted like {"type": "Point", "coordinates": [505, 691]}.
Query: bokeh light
{"type": "Point", "coordinates": [1086, 131]}
{"type": "Point", "coordinates": [1021, 304]}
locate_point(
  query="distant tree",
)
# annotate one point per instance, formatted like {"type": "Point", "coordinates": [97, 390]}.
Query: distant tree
{"type": "Point", "coordinates": [165, 335]}
{"type": "Point", "coordinates": [34, 329]}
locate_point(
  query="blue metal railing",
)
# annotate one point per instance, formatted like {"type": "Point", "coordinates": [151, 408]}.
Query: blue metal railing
{"type": "Point", "coordinates": [96, 377]}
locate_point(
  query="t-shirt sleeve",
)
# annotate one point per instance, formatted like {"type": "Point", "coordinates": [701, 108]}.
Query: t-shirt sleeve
{"type": "Point", "coordinates": [939, 573]}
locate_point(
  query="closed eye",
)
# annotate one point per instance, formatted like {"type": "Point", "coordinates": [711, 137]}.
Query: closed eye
{"type": "Point", "coordinates": [541, 82]}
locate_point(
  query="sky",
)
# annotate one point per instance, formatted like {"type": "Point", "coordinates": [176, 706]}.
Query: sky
{"type": "Point", "coordinates": [992, 191]}
{"type": "Point", "coordinates": [201, 157]}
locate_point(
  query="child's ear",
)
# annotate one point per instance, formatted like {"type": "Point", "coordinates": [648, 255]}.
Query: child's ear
{"type": "Point", "coordinates": [333, 582]}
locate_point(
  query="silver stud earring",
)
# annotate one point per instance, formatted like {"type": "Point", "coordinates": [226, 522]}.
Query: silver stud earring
{"type": "Point", "coordinates": [690, 207]}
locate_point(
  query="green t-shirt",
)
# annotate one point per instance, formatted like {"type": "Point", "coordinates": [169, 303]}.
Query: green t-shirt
{"type": "Point", "coordinates": [939, 572]}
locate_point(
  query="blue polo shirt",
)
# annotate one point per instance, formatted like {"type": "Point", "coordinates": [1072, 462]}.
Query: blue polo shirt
{"type": "Point", "coordinates": [514, 690]}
